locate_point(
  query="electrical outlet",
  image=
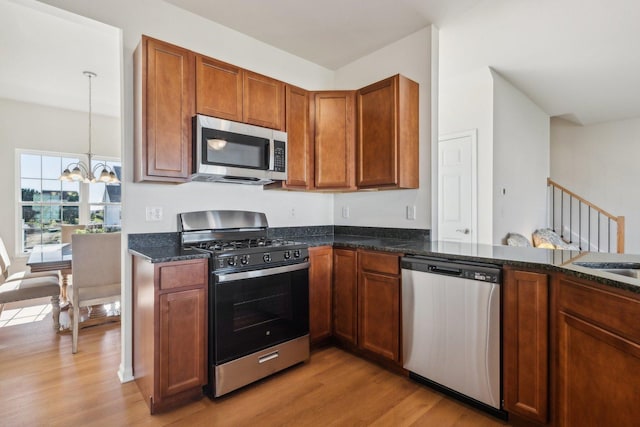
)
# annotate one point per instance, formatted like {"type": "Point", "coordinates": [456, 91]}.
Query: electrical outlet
{"type": "Point", "coordinates": [411, 212]}
{"type": "Point", "coordinates": [154, 213]}
{"type": "Point", "coordinates": [292, 213]}
{"type": "Point", "coordinates": [345, 212]}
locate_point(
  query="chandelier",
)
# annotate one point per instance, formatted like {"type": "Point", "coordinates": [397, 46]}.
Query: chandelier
{"type": "Point", "coordinates": [79, 171]}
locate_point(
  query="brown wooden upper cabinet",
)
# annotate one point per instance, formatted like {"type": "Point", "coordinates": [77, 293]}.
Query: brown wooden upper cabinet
{"type": "Point", "coordinates": [218, 89]}
{"type": "Point", "coordinates": [337, 140]}
{"type": "Point", "coordinates": [263, 101]}
{"type": "Point", "coordinates": [300, 154]}
{"type": "Point", "coordinates": [387, 143]}
{"type": "Point", "coordinates": [334, 140]}
{"type": "Point", "coordinates": [229, 92]}
{"type": "Point", "coordinates": [164, 91]}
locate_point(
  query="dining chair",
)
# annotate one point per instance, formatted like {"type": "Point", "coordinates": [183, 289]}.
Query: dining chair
{"type": "Point", "coordinates": [96, 273]}
{"type": "Point", "coordinates": [5, 264]}
{"type": "Point", "coordinates": [24, 285]}
{"type": "Point", "coordinates": [67, 230]}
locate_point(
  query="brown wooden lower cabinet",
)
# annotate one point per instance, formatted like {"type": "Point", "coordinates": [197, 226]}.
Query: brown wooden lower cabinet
{"type": "Point", "coordinates": [345, 301]}
{"type": "Point", "coordinates": [598, 355]}
{"type": "Point", "coordinates": [320, 293]}
{"type": "Point", "coordinates": [170, 331]}
{"type": "Point", "coordinates": [379, 304]}
{"type": "Point", "coordinates": [526, 344]}
{"type": "Point", "coordinates": [366, 302]}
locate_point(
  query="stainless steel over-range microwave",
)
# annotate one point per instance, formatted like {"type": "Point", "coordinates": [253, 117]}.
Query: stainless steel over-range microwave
{"type": "Point", "coordinates": [227, 151]}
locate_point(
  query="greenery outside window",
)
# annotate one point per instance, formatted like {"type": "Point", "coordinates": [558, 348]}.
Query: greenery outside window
{"type": "Point", "coordinates": [46, 203]}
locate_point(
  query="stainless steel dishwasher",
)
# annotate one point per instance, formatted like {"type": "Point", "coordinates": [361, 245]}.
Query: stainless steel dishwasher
{"type": "Point", "coordinates": [451, 328]}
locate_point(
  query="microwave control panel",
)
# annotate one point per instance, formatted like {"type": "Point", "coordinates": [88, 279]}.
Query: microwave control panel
{"type": "Point", "coordinates": [279, 156]}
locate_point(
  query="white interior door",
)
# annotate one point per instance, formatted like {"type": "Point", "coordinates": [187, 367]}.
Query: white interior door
{"type": "Point", "coordinates": [457, 187]}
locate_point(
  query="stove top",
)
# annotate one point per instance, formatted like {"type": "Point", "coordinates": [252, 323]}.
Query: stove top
{"type": "Point", "coordinates": [238, 240]}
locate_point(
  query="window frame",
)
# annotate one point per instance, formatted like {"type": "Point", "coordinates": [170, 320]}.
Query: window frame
{"type": "Point", "coordinates": [84, 204]}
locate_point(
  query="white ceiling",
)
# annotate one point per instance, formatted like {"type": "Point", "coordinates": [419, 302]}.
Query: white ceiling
{"type": "Point", "coordinates": [574, 58]}
{"type": "Point", "coordinates": [44, 50]}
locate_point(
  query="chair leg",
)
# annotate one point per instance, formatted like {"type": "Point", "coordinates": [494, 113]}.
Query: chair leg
{"type": "Point", "coordinates": [55, 304]}
{"type": "Point", "coordinates": [74, 332]}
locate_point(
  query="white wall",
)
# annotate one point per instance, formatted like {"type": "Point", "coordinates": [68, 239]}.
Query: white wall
{"type": "Point", "coordinates": [600, 163]}
{"type": "Point", "coordinates": [37, 127]}
{"type": "Point", "coordinates": [521, 162]}
{"type": "Point", "coordinates": [513, 150]}
{"type": "Point", "coordinates": [411, 57]}
{"type": "Point", "coordinates": [466, 103]}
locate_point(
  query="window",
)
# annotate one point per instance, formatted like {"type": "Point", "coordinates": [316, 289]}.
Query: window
{"type": "Point", "coordinates": [46, 203]}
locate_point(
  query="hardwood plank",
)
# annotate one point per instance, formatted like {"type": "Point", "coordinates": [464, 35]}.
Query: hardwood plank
{"type": "Point", "coordinates": [42, 383]}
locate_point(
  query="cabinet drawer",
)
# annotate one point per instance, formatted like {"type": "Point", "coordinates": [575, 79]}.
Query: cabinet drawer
{"type": "Point", "coordinates": [597, 305]}
{"type": "Point", "coordinates": [380, 262]}
{"type": "Point", "coordinates": [181, 274]}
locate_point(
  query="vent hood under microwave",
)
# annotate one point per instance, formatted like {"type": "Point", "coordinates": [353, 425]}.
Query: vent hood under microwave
{"type": "Point", "coordinates": [232, 152]}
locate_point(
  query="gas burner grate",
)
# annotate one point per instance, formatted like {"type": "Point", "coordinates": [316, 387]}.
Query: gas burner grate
{"type": "Point", "coordinates": [229, 245]}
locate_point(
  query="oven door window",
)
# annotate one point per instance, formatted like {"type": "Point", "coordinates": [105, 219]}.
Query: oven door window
{"type": "Point", "coordinates": [256, 313]}
{"type": "Point", "coordinates": [223, 148]}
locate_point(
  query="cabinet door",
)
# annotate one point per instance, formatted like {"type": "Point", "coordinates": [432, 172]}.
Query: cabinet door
{"type": "Point", "coordinates": [263, 101]}
{"type": "Point", "coordinates": [387, 143]}
{"type": "Point", "coordinates": [320, 269]}
{"type": "Point", "coordinates": [218, 89]}
{"type": "Point", "coordinates": [526, 344]}
{"type": "Point", "coordinates": [376, 149]}
{"type": "Point", "coordinates": [345, 302]}
{"type": "Point", "coordinates": [166, 106]}
{"type": "Point", "coordinates": [598, 356]}
{"type": "Point", "coordinates": [334, 140]}
{"type": "Point", "coordinates": [182, 334]}
{"type": "Point", "coordinates": [379, 314]}
{"type": "Point", "coordinates": [299, 142]}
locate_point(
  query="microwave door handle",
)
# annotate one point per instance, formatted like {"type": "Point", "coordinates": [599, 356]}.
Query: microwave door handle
{"type": "Point", "coordinates": [272, 152]}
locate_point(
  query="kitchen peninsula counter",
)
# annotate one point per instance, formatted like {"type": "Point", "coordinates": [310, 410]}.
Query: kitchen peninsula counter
{"type": "Point", "coordinates": [164, 247]}
{"type": "Point", "coordinates": [519, 257]}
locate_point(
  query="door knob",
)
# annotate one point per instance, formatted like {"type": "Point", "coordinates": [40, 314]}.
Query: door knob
{"type": "Point", "coordinates": [463, 230]}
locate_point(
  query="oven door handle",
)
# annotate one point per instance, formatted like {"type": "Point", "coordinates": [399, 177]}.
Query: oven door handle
{"type": "Point", "coordinates": [222, 278]}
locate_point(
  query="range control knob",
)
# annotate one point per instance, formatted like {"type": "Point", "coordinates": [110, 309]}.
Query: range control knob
{"type": "Point", "coordinates": [244, 259]}
{"type": "Point", "coordinates": [266, 257]}
{"type": "Point", "coordinates": [287, 254]}
{"type": "Point", "coordinates": [296, 253]}
{"type": "Point", "coordinates": [231, 261]}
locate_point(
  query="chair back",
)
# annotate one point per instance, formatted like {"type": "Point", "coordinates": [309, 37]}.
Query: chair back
{"type": "Point", "coordinates": [96, 259]}
{"type": "Point", "coordinates": [5, 261]}
{"type": "Point", "coordinates": [68, 230]}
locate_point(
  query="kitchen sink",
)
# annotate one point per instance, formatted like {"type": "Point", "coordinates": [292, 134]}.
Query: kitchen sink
{"type": "Point", "coordinates": [628, 269]}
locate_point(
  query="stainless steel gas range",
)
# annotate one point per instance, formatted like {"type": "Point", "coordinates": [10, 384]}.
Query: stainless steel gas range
{"type": "Point", "coordinates": [258, 297]}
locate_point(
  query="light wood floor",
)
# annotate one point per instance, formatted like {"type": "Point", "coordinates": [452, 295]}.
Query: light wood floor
{"type": "Point", "coordinates": [42, 383]}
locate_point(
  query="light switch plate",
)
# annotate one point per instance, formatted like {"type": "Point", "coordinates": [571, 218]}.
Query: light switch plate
{"type": "Point", "coordinates": [411, 212]}
{"type": "Point", "coordinates": [345, 212]}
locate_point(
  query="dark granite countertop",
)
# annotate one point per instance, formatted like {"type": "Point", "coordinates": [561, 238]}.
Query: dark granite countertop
{"type": "Point", "coordinates": [167, 253]}
{"type": "Point", "coordinates": [163, 247]}
{"type": "Point", "coordinates": [520, 257]}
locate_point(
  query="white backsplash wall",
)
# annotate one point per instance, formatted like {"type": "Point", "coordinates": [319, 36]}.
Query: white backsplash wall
{"type": "Point", "coordinates": [283, 208]}
{"type": "Point", "coordinates": [410, 57]}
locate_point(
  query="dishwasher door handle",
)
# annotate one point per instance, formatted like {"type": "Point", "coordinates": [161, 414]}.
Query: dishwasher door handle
{"type": "Point", "coordinates": [445, 270]}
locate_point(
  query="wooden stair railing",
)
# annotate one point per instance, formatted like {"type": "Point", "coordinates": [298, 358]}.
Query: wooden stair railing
{"type": "Point", "coordinates": [571, 217]}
